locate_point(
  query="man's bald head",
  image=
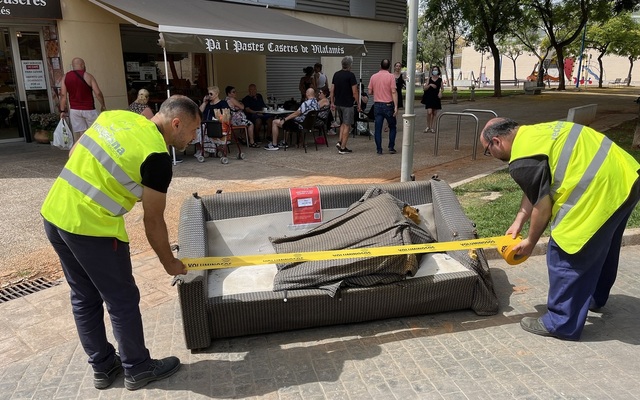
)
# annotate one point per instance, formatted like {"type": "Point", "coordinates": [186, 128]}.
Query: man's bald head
{"type": "Point", "coordinates": [310, 93]}
{"type": "Point", "coordinates": [77, 63]}
{"type": "Point", "coordinates": [499, 126]}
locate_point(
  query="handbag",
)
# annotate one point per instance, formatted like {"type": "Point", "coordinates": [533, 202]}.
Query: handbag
{"type": "Point", "coordinates": [62, 136]}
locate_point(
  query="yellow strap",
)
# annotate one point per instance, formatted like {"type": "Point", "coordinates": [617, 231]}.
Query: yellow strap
{"type": "Point", "coordinates": [504, 244]}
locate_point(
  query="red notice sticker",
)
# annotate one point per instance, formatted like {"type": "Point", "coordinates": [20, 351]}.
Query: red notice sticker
{"type": "Point", "coordinates": [305, 205]}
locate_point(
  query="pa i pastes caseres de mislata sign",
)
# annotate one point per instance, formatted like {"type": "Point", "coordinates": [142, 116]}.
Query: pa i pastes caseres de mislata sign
{"type": "Point", "coordinates": [40, 9]}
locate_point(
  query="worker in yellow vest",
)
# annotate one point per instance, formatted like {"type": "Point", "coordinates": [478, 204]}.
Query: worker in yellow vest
{"type": "Point", "coordinates": [120, 160]}
{"type": "Point", "coordinates": [586, 187]}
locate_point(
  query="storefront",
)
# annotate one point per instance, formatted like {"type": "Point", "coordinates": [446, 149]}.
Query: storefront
{"type": "Point", "coordinates": [30, 64]}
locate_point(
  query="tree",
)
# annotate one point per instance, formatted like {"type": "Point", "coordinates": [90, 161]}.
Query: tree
{"type": "Point", "coordinates": [563, 21]}
{"type": "Point", "coordinates": [512, 48]}
{"type": "Point", "coordinates": [627, 44]}
{"type": "Point", "coordinates": [449, 22]}
{"type": "Point", "coordinates": [601, 35]}
{"type": "Point", "coordinates": [489, 19]}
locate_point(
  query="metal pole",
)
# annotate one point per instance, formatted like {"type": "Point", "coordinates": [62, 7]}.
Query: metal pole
{"type": "Point", "coordinates": [166, 80]}
{"type": "Point", "coordinates": [584, 34]}
{"type": "Point", "coordinates": [409, 117]}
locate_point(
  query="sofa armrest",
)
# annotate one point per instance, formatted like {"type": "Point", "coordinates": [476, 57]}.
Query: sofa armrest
{"type": "Point", "coordinates": [192, 287]}
{"type": "Point", "coordinates": [452, 224]}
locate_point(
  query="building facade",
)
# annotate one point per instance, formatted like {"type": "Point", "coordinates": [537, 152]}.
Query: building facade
{"type": "Point", "coordinates": [119, 41]}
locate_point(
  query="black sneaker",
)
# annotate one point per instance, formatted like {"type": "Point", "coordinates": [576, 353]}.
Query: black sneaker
{"type": "Point", "coordinates": [338, 145]}
{"type": "Point", "coordinates": [102, 380]}
{"type": "Point", "coordinates": [158, 369]}
{"type": "Point", "coordinates": [344, 151]}
{"type": "Point", "coordinates": [392, 151]}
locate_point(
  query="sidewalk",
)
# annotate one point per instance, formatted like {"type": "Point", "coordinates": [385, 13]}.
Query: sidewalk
{"type": "Point", "coordinates": [454, 355]}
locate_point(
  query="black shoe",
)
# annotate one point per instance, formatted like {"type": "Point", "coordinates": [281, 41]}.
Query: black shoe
{"type": "Point", "coordinates": [344, 150]}
{"type": "Point", "coordinates": [535, 326]}
{"type": "Point", "coordinates": [102, 380]}
{"type": "Point", "coordinates": [593, 307]}
{"type": "Point", "coordinates": [379, 152]}
{"type": "Point", "coordinates": [338, 146]}
{"type": "Point", "coordinates": [158, 369]}
{"type": "Point", "coordinates": [392, 151]}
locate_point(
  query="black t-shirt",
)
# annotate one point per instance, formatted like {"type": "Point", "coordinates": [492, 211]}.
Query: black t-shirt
{"type": "Point", "coordinates": [343, 82]}
{"type": "Point", "coordinates": [157, 171]}
{"type": "Point", "coordinates": [254, 103]}
{"type": "Point", "coordinates": [533, 175]}
{"type": "Point", "coordinates": [208, 115]}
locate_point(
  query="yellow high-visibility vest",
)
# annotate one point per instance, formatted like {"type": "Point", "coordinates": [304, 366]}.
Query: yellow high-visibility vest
{"type": "Point", "coordinates": [590, 177]}
{"type": "Point", "coordinates": [101, 181]}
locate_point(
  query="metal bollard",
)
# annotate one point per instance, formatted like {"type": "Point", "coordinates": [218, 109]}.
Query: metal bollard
{"type": "Point", "coordinates": [473, 93]}
{"type": "Point", "coordinates": [454, 94]}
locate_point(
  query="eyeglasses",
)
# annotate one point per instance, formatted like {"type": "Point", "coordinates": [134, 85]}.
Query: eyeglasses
{"type": "Point", "coordinates": [487, 152]}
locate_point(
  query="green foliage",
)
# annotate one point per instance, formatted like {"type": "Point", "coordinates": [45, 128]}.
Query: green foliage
{"type": "Point", "coordinates": [47, 122]}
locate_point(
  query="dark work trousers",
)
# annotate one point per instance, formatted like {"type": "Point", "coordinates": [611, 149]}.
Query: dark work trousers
{"type": "Point", "coordinates": [583, 280]}
{"type": "Point", "coordinates": [99, 269]}
{"type": "Point", "coordinates": [381, 112]}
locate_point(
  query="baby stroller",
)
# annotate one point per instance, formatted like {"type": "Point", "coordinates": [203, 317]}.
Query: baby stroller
{"type": "Point", "coordinates": [220, 135]}
{"type": "Point", "coordinates": [361, 123]}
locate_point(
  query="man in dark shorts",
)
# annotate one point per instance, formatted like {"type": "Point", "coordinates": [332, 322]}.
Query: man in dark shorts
{"type": "Point", "coordinates": [344, 92]}
{"type": "Point", "coordinates": [120, 160]}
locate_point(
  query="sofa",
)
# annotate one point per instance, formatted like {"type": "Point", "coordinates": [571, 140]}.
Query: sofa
{"type": "Point", "coordinates": [222, 303]}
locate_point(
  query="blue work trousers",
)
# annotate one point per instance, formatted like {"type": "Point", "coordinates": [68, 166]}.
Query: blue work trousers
{"type": "Point", "coordinates": [583, 280]}
{"type": "Point", "coordinates": [382, 111]}
{"type": "Point", "coordinates": [99, 270]}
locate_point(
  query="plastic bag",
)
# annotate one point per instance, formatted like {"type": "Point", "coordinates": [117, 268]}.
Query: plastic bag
{"type": "Point", "coordinates": [62, 136]}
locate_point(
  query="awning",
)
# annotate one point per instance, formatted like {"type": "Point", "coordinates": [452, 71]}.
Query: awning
{"type": "Point", "coordinates": [209, 26]}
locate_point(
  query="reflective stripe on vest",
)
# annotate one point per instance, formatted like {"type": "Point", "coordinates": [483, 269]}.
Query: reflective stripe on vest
{"type": "Point", "coordinates": [586, 178]}
{"type": "Point", "coordinates": [92, 192]}
{"type": "Point", "coordinates": [110, 165]}
{"type": "Point", "coordinates": [565, 155]}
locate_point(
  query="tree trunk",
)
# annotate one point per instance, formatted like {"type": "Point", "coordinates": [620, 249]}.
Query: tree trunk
{"type": "Point", "coordinates": [630, 69]}
{"type": "Point", "coordinates": [515, 73]}
{"type": "Point", "coordinates": [600, 64]}
{"type": "Point", "coordinates": [497, 89]}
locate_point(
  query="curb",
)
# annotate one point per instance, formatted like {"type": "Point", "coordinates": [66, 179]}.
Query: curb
{"type": "Point", "coordinates": [631, 237]}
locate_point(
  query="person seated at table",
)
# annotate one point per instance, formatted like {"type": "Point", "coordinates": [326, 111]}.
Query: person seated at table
{"type": "Point", "coordinates": [293, 121]}
{"type": "Point", "coordinates": [140, 106]}
{"type": "Point", "coordinates": [253, 106]}
{"type": "Point", "coordinates": [210, 103]}
{"type": "Point", "coordinates": [238, 117]}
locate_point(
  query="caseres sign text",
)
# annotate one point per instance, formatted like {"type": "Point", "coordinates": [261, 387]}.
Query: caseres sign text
{"type": "Point", "coordinates": [269, 47]}
{"type": "Point", "coordinates": [41, 9]}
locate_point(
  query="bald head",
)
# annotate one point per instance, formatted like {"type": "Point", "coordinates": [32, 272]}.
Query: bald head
{"type": "Point", "coordinates": [499, 126]}
{"type": "Point", "coordinates": [78, 64]}
{"type": "Point", "coordinates": [310, 93]}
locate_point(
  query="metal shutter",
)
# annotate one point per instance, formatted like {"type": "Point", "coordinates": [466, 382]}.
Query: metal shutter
{"type": "Point", "coordinates": [376, 51]}
{"type": "Point", "coordinates": [283, 75]}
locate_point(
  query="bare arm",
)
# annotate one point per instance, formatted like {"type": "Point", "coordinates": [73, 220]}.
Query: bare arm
{"type": "Point", "coordinates": [63, 99]}
{"type": "Point", "coordinates": [331, 99]}
{"type": "Point", "coordinates": [153, 204]}
{"type": "Point", "coordinates": [96, 90]}
{"type": "Point", "coordinates": [354, 91]}
{"type": "Point", "coordinates": [539, 215]}
{"type": "Point", "coordinates": [394, 96]}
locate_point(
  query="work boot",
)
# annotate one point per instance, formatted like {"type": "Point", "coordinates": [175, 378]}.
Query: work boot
{"type": "Point", "coordinates": [104, 379]}
{"type": "Point", "coordinates": [157, 370]}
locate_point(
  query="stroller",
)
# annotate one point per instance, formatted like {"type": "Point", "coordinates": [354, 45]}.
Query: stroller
{"type": "Point", "coordinates": [220, 135]}
{"type": "Point", "coordinates": [361, 123]}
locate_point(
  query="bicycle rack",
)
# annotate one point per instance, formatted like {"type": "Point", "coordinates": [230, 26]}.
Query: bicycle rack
{"type": "Point", "coordinates": [465, 112]}
{"type": "Point", "coordinates": [457, 147]}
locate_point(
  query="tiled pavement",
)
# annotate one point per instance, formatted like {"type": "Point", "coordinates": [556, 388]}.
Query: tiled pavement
{"type": "Point", "coordinates": [456, 355]}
